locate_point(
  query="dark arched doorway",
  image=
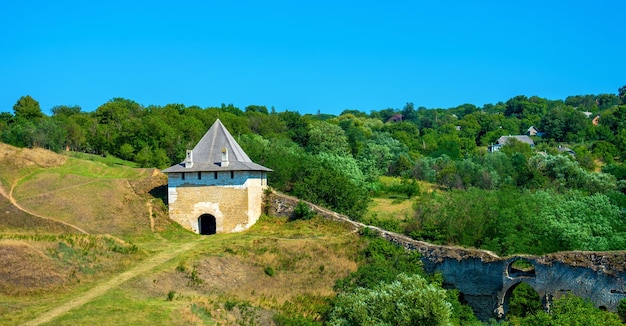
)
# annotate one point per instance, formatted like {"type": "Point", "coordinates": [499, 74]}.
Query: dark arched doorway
{"type": "Point", "coordinates": [206, 224]}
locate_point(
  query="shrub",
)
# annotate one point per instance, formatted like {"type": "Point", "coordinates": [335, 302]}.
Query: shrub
{"type": "Point", "coordinates": [621, 310]}
{"type": "Point", "coordinates": [194, 279]}
{"type": "Point", "coordinates": [302, 212]}
{"type": "Point", "coordinates": [230, 304]}
{"type": "Point", "coordinates": [409, 300]}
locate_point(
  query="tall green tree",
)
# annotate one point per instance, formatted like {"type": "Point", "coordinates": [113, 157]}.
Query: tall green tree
{"type": "Point", "coordinates": [27, 108]}
{"type": "Point", "coordinates": [65, 110]}
{"type": "Point", "coordinates": [327, 137]}
{"type": "Point", "coordinates": [621, 93]}
{"type": "Point", "coordinates": [563, 123]}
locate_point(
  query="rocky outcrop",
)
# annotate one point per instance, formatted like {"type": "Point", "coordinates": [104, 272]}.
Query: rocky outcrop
{"type": "Point", "coordinates": [486, 280]}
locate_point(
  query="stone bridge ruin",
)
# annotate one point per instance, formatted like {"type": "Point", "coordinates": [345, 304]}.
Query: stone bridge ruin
{"type": "Point", "coordinates": [486, 281]}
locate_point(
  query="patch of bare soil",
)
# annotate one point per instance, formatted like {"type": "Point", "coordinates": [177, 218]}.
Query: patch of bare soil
{"type": "Point", "coordinates": [155, 181]}
{"type": "Point", "coordinates": [223, 274]}
{"type": "Point", "coordinates": [153, 189]}
{"type": "Point", "coordinates": [25, 269]}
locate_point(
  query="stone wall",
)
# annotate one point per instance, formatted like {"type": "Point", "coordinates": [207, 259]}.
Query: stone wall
{"type": "Point", "coordinates": [486, 280]}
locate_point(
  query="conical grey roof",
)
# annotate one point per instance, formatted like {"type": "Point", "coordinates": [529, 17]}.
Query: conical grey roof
{"type": "Point", "coordinates": [207, 155]}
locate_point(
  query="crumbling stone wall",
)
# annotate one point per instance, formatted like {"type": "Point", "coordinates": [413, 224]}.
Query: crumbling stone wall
{"type": "Point", "coordinates": [486, 280]}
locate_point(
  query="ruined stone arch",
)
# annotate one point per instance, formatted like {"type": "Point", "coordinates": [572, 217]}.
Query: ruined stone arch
{"type": "Point", "coordinates": [520, 267]}
{"type": "Point", "coordinates": [508, 294]}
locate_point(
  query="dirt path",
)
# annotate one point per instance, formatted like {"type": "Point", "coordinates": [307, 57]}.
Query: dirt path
{"type": "Point", "coordinates": [150, 212]}
{"type": "Point", "coordinates": [10, 197]}
{"type": "Point", "coordinates": [116, 281]}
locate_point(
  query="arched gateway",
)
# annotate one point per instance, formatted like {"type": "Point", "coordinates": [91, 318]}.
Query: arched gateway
{"type": "Point", "coordinates": [206, 224]}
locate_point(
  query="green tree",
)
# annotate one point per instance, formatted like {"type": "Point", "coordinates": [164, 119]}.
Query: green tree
{"type": "Point", "coordinates": [409, 300]}
{"type": "Point", "coordinates": [257, 108]}
{"type": "Point", "coordinates": [621, 93]}
{"type": "Point", "coordinates": [327, 137]}
{"type": "Point", "coordinates": [27, 108]}
{"type": "Point", "coordinates": [266, 125]}
{"type": "Point", "coordinates": [570, 310]}
{"type": "Point", "coordinates": [409, 113]}
{"type": "Point", "coordinates": [563, 123]}
{"type": "Point", "coordinates": [127, 152]}
{"type": "Point", "coordinates": [321, 182]}
{"type": "Point", "coordinates": [525, 301]}
{"type": "Point", "coordinates": [65, 110]}
{"type": "Point", "coordinates": [621, 309]}
{"type": "Point", "coordinates": [297, 127]}
{"type": "Point", "coordinates": [524, 107]}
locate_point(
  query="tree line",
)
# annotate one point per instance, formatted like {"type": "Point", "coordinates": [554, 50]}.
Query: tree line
{"type": "Point", "coordinates": [336, 160]}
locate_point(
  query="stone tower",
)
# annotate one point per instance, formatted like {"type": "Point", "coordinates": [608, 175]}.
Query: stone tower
{"type": "Point", "coordinates": [217, 188]}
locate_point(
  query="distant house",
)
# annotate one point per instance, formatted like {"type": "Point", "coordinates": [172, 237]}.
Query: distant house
{"type": "Point", "coordinates": [596, 120]}
{"type": "Point", "coordinates": [396, 118]}
{"type": "Point", "coordinates": [217, 189]}
{"type": "Point", "coordinates": [532, 131]}
{"type": "Point", "coordinates": [563, 149]}
{"type": "Point", "coordinates": [502, 141]}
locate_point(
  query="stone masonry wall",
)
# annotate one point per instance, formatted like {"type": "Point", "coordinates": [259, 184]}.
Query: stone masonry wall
{"type": "Point", "coordinates": [236, 207]}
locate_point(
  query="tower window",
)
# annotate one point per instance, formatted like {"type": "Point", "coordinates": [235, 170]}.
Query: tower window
{"type": "Point", "coordinates": [215, 174]}
{"type": "Point", "coordinates": [183, 175]}
{"type": "Point", "coordinates": [199, 175]}
{"type": "Point", "coordinates": [232, 174]}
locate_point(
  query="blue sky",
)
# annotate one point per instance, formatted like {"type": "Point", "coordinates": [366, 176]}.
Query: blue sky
{"type": "Point", "coordinates": [308, 56]}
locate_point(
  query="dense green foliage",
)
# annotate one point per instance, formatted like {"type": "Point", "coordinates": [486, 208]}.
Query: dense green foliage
{"type": "Point", "coordinates": [335, 161]}
{"type": "Point", "coordinates": [390, 287]}
{"type": "Point", "coordinates": [621, 310]}
{"type": "Point", "coordinates": [383, 262]}
{"type": "Point", "coordinates": [569, 310]}
{"type": "Point", "coordinates": [520, 221]}
{"type": "Point", "coordinates": [525, 301]}
{"type": "Point", "coordinates": [409, 300]}
{"type": "Point", "coordinates": [302, 212]}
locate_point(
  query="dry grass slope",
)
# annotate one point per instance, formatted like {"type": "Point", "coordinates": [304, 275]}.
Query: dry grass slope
{"type": "Point", "coordinates": [90, 195]}
{"type": "Point", "coordinates": [275, 267]}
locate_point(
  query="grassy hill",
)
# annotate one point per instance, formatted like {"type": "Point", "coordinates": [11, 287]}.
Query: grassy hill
{"type": "Point", "coordinates": [76, 227]}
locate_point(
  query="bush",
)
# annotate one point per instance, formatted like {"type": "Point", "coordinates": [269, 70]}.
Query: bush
{"type": "Point", "coordinates": [570, 310]}
{"type": "Point", "coordinates": [384, 262]}
{"type": "Point", "coordinates": [621, 310]}
{"type": "Point", "coordinates": [409, 300]}
{"type": "Point", "coordinates": [302, 212]}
